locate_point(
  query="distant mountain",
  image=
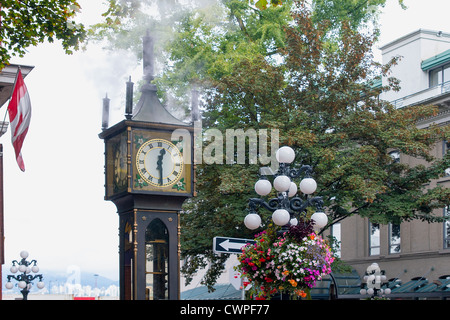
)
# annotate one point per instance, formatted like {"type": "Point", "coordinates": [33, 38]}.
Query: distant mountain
{"type": "Point", "coordinates": [84, 279]}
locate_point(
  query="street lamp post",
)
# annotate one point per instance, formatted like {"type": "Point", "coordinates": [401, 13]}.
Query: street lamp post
{"type": "Point", "coordinates": [287, 206]}
{"type": "Point", "coordinates": [374, 279]}
{"type": "Point", "coordinates": [24, 277]}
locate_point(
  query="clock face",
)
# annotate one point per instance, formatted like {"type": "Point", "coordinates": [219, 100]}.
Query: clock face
{"type": "Point", "coordinates": [159, 163]}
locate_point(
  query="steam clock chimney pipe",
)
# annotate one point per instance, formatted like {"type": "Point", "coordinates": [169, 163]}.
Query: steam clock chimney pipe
{"type": "Point", "coordinates": [148, 57]}
{"type": "Point", "coordinates": [105, 116]}
{"type": "Point", "coordinates": [129, 100]}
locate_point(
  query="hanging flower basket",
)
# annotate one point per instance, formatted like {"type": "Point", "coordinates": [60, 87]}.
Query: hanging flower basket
{"type": "Point", "coordinates": [289, 263]}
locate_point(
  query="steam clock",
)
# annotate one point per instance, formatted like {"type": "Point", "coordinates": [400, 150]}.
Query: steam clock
{"type": "Point", "coordinates": [148, 176]}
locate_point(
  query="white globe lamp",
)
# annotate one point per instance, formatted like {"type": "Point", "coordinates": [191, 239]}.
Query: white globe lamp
{"type": "Point", "coordinates": [14, 269]}
{"type": "Point", "coordinates": [252, 221]}
{"type": "Point", "coordinates": [40, 285]}
{"type": "Point", "coordinates": [263, 187]}
{"type": "Point", "coordinates": [320, 219]}
{"type": "Point", "coordinates": [35, 269]}
{"type": "Point", "coordinates": [308, 185]}
{"type": "Point", "coordinates": [293, 222]}
{"type": "Point", "coordinates": [22, 284]}
{"type": "Point", "coordinates": [281, 217]}
{"type": "Point", "coordinates": [370, 280]}
{"type": "Point", "coordinates": [24, 254]}
{"type": "Point", "coordinates": [282, 183]}
{"type": "Point", "coordinates": [373, 268]}
{"type": "Point", "coordinates": [285, 155]}
{"type": "Point", "coordinates": [292, 190]}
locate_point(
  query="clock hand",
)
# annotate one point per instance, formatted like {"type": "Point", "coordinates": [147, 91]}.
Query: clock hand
{"type": "Point", "coordinates": [159, 165]}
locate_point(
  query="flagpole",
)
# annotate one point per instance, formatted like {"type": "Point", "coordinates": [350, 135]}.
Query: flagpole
{"type": "Point", "coordinates": [2, 229]}
{"type": "Point", "coordinates": [2, 237]}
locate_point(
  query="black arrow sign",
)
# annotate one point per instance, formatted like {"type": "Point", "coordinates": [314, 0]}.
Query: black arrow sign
{"type": "Point", "coordinates": [229, 245]}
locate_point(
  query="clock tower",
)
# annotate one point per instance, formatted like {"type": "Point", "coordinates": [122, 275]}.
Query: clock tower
{"type": "Point", "coordinates": [148, 176]}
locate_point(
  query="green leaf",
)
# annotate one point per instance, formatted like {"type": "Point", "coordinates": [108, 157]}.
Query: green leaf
{"type": "Point", "coordinates": [261, 4]}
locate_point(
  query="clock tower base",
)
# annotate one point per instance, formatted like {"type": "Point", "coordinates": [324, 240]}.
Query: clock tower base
{"type": "Point", "coordinates": [149, 259]}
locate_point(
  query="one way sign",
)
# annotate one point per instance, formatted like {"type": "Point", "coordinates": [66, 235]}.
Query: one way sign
{"type": "Point", "coordinates": [229, 245]}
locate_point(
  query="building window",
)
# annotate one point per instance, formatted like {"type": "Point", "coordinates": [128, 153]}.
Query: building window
{"type": "Point", "coordinates": [395, 155]}
{"type": "Point", "coordinates": [447, 228]}
{"type": "Point", "coordinates": [439, 75]}
{"type": "Point", "coordinates": [394, 238]}
{"type": "Point", "coordinates": [336, 234]}
{"type": "Point", "coordinates": [374, 239]}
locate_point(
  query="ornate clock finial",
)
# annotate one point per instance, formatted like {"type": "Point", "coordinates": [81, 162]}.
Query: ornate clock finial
{"type": "Point", "coordinates": [129, 99]}
{"type": "Point", "coordinates": [148, 57]}
{"type": "Point", "coordinates": [105, 115]}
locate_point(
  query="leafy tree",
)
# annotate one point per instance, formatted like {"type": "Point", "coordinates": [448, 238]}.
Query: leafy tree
{"type": "Point", "coordinates": [359, 12]}
{"type": "Point", "coordinates": [198, 40]}
{"type": "Point", "coordinates": [321, 101]}
{"type": "Point", "coordinates": [291, 68]}
{"type": "Point", "coordinates": [25, 23]}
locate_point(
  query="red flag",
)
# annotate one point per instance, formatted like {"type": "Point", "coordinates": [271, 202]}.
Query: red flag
{"type": "Point", "coordinates": [19, 110]}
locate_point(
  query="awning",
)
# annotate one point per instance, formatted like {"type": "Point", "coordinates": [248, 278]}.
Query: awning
{"type": "Point", "coordinates": [436, 61]}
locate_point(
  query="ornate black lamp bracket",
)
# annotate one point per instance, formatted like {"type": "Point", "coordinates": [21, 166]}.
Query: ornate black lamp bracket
{"type": "Point", "coordinates": [295, 205]}
{"type": "Point", "coordinates": [288, 207]}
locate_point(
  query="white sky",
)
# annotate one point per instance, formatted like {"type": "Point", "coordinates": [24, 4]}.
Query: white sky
{"type": "Point", "coordinates": [55, 209]}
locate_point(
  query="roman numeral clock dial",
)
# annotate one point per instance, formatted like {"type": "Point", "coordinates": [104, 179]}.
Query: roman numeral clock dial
{"type": "Point", "coordinates": [159, 163]}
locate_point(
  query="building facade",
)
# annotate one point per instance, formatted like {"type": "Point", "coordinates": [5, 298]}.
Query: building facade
{"type": "Point", "coordinates": [416, 248]}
